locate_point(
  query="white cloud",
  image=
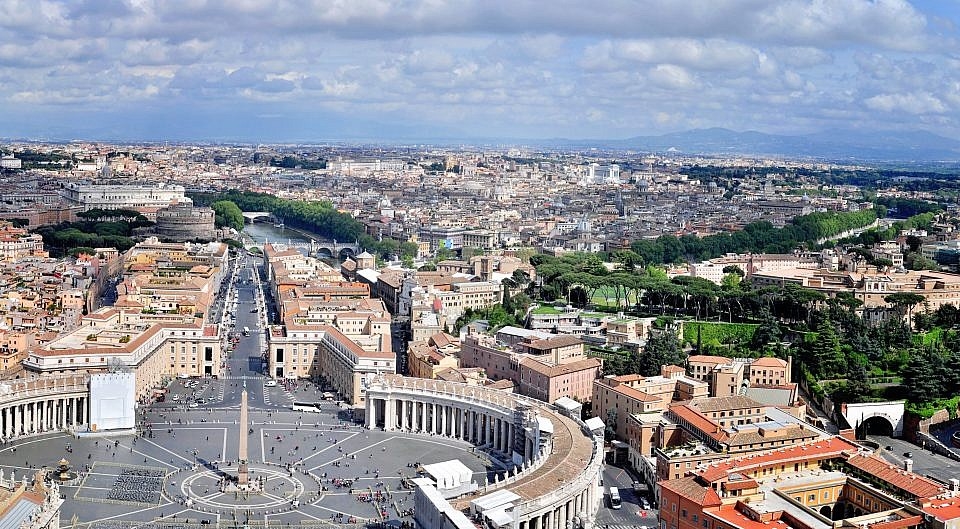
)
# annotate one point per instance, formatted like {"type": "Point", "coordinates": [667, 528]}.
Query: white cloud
{"type": "Point", "coordinates": [509, 66]}
{"type": "Point", "coordinates": [671, 76]}
{"type": "Point", "coordinates": [914, 103]}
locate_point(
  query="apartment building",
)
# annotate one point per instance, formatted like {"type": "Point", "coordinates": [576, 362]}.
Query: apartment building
{"type": "Point", "coordinates": [322, 351]}
{"type": "Point", "coordinates": [615, 398]}
{"type": "Point", "coordinates": [427, 358]}
{"type": "Point", "coordinates": [120, 337]}
{"type": "Point", "coordinates": [541, 367]}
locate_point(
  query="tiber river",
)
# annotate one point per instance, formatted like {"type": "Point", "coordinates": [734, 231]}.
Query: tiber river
{"type": "Point", "coordinates": [261, 232]}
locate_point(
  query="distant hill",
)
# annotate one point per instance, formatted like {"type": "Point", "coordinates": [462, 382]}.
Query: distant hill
{"type": "Point", "coordinates": [834, 145]}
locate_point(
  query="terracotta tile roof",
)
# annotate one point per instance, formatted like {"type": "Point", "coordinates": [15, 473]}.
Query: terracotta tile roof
{"type": "Point", "coordinates": [909, 482]}
{"type": "Point", "coordinates": [689, 488]}
{"type": "Point", "coordinates": [696, 420]}
{"type": "Point", "coordinates": [706, 359]}
{"type": "Point", "coordinates": [715, 404]}
{"type": "Point", "coordinates": [820, 449]}
{"type": "Point", "coordinates": [902, 523]}
{"type": "Point", "coordinates": [768, 362]}
{"type": "Point", "coordinates": [562, 340]}
{"type": "Point", "coordinates": [635, 394]}
{"type": "Point", "coordinates": [943, 510]}
{"type": "Point", "coordinates": [735, 518]}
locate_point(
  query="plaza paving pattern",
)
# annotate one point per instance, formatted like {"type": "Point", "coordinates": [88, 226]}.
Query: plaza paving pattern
{"type": "Point", "coordinates": [318, 470]}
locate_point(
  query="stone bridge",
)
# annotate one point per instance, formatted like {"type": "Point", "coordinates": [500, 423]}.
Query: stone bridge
{"type": "Point", "coordinates": [254, 216]}
{"type": "Point", "coordinates": [315, 247]}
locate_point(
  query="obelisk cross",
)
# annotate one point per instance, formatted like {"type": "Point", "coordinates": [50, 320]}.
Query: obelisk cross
{"type": "Point", "coordinates": [242, 470]}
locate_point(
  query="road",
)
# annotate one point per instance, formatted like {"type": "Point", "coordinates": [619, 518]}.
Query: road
{"type": "Point", "coordinates": [631, 515]}
{"type": "Point", "coordinates": [925, 462]}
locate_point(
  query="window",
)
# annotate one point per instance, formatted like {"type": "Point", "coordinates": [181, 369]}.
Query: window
{"type": "Point", "coordinates": [683, 513]}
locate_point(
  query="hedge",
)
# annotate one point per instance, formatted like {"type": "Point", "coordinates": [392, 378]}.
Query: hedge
{"type": "Point", "coordinates": [716, 333]}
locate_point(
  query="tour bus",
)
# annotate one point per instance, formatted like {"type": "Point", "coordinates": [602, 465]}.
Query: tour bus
{"type": "Point", "coordinates": [246, 331]}
{"type": "Point", "coordinates": [615, 502]}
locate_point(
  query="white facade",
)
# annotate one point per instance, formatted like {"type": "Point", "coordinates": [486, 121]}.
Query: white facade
{"type": "Point", "coordinates": [96, 196]}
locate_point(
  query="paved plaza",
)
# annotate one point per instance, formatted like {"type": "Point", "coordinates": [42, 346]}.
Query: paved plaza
{"type": "Point", "coordinates": [317, 468]}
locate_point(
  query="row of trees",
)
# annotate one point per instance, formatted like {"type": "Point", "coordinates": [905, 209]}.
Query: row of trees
{"type": "Point", "coordinates": [757, 237]}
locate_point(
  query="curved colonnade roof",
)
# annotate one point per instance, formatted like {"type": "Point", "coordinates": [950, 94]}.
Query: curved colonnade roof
{"type": "Point", "coordinates": [572, 448]}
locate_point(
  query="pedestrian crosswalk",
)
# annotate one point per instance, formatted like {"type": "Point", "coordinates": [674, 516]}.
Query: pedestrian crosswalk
{"type": "Point", "coordinates": [621, 526]}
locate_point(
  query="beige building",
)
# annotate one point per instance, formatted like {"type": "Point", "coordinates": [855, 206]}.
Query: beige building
{"type": "Point", "coordinates": [116, 337]}
{"type": "Point", "coordinates": [427, 358]}
{"type": "Point", "coordinates": [322, 351]}
{"type": "Point", "coordinates": [736, 376]}
{"type": "Point", "coordinates": [623, 396]}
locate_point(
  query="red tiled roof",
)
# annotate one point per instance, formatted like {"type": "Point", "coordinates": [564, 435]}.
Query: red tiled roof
{"type": "Point", "coordinates": [635, 394]}
{"type": "Point", "coordinates": [689, 488]}
{"type": "Point", "coordinates": [909, 482]}
{"type": "Point", "coordinates": [902, 523]}
{"type": "Point", "coordinates": [698, 421]}
{"type": "Point", "coordinates": [769, 362]}
{"type": "Point", "coordinates": [819, 449]}
{"type": "Point", "coordinates": [943, 510]}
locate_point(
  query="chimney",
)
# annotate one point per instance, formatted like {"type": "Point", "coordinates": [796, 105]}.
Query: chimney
{"type": "Point", "coordinates": [908, 465]}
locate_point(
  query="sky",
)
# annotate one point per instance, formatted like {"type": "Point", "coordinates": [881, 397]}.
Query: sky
{"type": "Point", "coordinates": [280, 70]}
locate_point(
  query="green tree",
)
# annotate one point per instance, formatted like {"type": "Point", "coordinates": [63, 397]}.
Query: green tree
{"type": "Point", "coordinates": [662, 348]}
{"type": "Point", "coordinates": [904, 302]}
{"type": "Point", "coordinates": [228, 214]}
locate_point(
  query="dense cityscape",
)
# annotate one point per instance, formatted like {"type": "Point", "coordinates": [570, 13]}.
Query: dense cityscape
{"type": "Point", "coordinates": [601, 339]}
{"type": "Point", "coordinates": [479, 264]}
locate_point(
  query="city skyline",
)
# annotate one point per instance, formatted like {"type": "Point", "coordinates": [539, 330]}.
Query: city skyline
{"type": "Point", "coordinates": [381, 70]}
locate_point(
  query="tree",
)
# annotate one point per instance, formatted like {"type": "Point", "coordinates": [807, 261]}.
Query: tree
{"type": "Point", "coordinates": [227, 214]}
{"type": "Point", "coordinates": [921, 378]}
{"type": "Point", "coordinates": [904, 301]}
{"type": "Point", "coordinates": [826, 356]}
{"type": "Point", "coordinates": [730, 281]}
{"type": "Point", "coordinates": [662, 348]}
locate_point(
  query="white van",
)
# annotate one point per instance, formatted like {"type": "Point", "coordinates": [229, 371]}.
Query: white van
{"type": "Point", "coordinates": [270, 383]}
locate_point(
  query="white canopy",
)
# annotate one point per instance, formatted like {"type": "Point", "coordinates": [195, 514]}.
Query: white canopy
{"type": "Point", "coordinates": [449, 474]}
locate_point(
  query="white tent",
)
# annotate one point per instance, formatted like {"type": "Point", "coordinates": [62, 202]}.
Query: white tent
{"type": "Point", "coordinates": [449, 474]}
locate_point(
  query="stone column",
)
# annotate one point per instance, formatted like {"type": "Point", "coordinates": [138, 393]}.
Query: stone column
{"type": "Point", "coordinates": [243, 472]}
{"type": "Point", "coordinates": [389, 414]}
{"type": "Point", "coordinates": [371, 406]}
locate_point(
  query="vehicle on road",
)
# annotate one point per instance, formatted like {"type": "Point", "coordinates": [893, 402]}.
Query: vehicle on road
{"type": "Point", "coordinates": [246, 331]}
{"type": "Point", "coordinates": [615, 502]}
{"type": "Point", "coordinates": [270, 383]}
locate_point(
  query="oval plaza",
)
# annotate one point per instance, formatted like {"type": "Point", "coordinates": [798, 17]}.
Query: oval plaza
{"type": "Point", "coordinates": [550, 463]}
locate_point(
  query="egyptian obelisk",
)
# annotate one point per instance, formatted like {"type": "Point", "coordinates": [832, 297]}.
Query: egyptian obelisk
{"type": "Point", "coordinates": [242, 471]}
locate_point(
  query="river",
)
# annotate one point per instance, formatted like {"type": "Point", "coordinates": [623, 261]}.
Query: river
{"type": "Point", "coordinates": [263, 232]}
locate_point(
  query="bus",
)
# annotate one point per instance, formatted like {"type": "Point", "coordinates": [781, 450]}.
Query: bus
{"type": "Point", "coordinates": [246, 331]}
{"type": "Point", "coordinates": [615, 502]}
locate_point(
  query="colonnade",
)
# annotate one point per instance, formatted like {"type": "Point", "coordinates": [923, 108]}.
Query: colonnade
{"type": "Point", "coordinates": [486, 418]}
{"type": "Point", "coordinates": [481, 427]}
{"type": "Point", "coordinates": [562, 515]}
{"type": "Point", "coordinates": [41, 414]}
